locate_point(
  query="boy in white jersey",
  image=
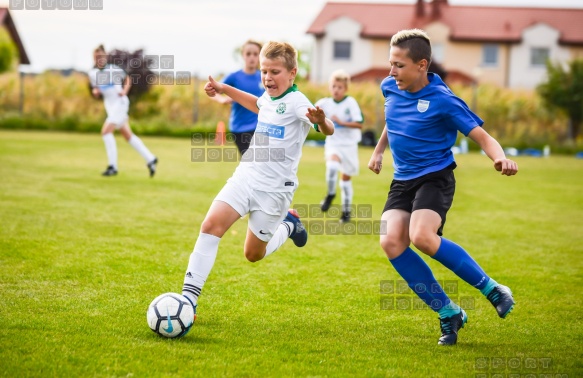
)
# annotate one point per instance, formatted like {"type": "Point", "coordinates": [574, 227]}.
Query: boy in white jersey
{"type": "Point", "coordinates": [264, 182]}
{"type": "Point", "coordinates": [341, 149]}
{"type": "Point", "coordinates": [113, 84]}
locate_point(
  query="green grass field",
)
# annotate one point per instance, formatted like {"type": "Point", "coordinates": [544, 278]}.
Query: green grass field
{"type": "Point", "coordinates": [82, 256]}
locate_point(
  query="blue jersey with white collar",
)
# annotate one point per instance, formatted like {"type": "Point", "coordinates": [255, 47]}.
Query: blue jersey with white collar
{"type": "Point", "coordinates": [422, 126]}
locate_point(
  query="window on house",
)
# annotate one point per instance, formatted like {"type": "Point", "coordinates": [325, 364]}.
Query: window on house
{"type": "Point", "coordinates": [342, 49]}
{"type": "Point", "coordinates": [490, 55]}
{"type": "Point", "coordinates": [539, 56]}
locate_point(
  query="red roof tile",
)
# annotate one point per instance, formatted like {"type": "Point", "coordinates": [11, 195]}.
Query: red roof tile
{"type": "Point", "coordinates": [467, 23]}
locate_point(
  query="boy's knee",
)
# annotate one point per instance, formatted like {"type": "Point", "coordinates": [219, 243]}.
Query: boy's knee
{"type": "Point", "coordinates": [209, 226]}
{"type": "Point", "coordinates": [424, 241]}
{"type": "Point", "coordinates": [391, 245]}
{"type": "Point", "coordinates": [254, 256]}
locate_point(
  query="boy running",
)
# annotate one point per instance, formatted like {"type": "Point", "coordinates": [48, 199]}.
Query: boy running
{"type": "Point", "coordinates": [265, 180]}
{"type": "Point", "coordinates": [341, 149]}
{"type": "Point", "coordinates": [422, 118]}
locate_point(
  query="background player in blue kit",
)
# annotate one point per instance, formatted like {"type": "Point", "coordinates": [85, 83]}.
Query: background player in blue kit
{"type": "Point", "coordinates": [423, 118]}
{"type": "Point", "coordinates": [242, 121]}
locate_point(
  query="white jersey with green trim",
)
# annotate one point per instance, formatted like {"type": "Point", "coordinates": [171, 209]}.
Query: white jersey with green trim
{"type": "Point", "coordinates": [347, 110]}
{"type": "Point", "coordinates": [271, 162]}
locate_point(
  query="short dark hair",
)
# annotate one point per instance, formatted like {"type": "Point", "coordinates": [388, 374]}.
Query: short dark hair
{"type": "Point", "coordinates": [416, 41]}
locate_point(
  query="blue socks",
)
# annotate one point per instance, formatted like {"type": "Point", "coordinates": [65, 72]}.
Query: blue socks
{"type": "Point", "coordinates": [420, 279]}
{"type": "Point", "coordinates": [489, 286]}
{"type": "Point", "coordinates": [449, 310]}
{"type": "Point", "coordinates": [455, 258]}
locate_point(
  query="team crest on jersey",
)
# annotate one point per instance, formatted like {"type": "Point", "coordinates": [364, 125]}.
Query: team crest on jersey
{"type": "Point", "coordinates": [280, 108]}
{"type": "Point", "coordinates": [422, 106]}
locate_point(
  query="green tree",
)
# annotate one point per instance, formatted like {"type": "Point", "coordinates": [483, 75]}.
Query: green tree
{"type": "Point", "coordinates": [7, 51]}
{"type": "Point", "coordinates": [564, 90]}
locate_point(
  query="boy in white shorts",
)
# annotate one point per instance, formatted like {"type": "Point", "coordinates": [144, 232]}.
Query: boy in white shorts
{"type": "Point", "coordinates": [341, 149]}
{"type": "Point", "coordinates": [265, 180]}
{"type": "Point", "coordinates": [113, 84]}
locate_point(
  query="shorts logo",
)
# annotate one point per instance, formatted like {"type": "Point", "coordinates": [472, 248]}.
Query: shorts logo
{"type": "Point", "coordinates": [289, 183]}
{"type": "Point", "coordinates": [280, 108]}
{"type": "Point", "coordinates": [262, 233]}
{"type": "Point", "coordinates": [422, 106]}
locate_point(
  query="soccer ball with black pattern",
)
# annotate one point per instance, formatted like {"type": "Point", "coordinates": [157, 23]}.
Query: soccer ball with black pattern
{"type": "Point", "coordinates": [170, 315]}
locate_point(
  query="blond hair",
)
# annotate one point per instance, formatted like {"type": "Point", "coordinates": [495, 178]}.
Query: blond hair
{"type": "Point", "coordinates": [99, 48]}
{"type": "Point", "coordinates": [341, 76]}
{"type": "Point", "coordinates": [251, 42]}
{"type": "Point", "coordinates": [281, 50]}
{"type": "Point", "coordinates": [416, 41]}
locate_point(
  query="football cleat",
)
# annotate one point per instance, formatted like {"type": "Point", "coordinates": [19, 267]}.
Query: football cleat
{"type": "Point", "coordinates": [501, 299]}
{"type": "Point", "coordinates": [450, 327]}
{"type": "Point", "coordinates": [109, 171]}
{"type": "Point", "coordinates": [194, 306]}
{"type": "Point", "coordinates": [326, 202]}
{"type": "Point", "coordinates": [345, 218]}
{"type": "Point", "coordinates": [152, 166]}
{"type": "Point", "coordinates": [299, 235]}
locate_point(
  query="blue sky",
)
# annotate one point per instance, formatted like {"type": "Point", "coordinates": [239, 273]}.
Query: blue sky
{"type": "Point", "coordinates": [201, 34]}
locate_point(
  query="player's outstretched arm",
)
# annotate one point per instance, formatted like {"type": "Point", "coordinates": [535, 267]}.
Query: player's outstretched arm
{"type": "Point", "coordinates": [375, 163]}
{"type": "Point", "coordinates": [317, 116]}
{"type": "Point", "coordinates": [494, 151]}
{"type": "Point", "coordinates": [247, 100]}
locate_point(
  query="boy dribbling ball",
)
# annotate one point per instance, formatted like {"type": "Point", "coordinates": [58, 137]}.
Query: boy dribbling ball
{"type": "Point", "coordinates": [265, 180]}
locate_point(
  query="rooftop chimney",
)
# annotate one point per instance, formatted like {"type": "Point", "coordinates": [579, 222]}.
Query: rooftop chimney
{"type": "Point", "coordinates": [420, 9]}
{"type": "Point", "coordinates": [436, 8]}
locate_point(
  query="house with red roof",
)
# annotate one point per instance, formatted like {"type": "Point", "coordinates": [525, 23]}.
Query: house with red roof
{"type": "Point", "coordinates": [7, 24]}
{"type": "Point", "coordinates": [505, 46]}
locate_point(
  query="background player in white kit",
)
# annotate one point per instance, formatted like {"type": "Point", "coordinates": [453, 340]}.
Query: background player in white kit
{"type": "Point", "coordinates": [341, 149]}
{"type": "Point", "coordinates": [113, 84]}
{"type": "Point", "coordinates": [265, 180]}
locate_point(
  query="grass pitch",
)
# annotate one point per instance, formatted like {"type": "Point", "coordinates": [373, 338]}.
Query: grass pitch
{"type": "Point", "coordinates": [82, 256]}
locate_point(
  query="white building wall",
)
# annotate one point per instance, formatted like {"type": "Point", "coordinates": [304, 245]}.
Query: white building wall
{"type": "Point", "coordinates": [522, 74]}
{"type": "Point", "coordinates": [323, 62]}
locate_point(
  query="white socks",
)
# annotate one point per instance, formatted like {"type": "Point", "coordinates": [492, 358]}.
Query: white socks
{"type": "Point", "coordinates": [332, 168]}
{"type": "Point", "coordinates": [110, 149]}
{"type": "Point", "coordinates": [346, 194]}
{"type": "Point", "coordinates": [137, 143]}
{"type": "Point", "coordinates": [200, 264]}
{"type": "Point", "coordinates": [279, 237]}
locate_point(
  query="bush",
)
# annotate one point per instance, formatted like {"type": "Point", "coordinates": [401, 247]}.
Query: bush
{"type": "Point", "coordinates": [54, 102]}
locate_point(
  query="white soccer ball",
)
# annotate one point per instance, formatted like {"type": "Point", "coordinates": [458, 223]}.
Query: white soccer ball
{"type": "Point", "coordinates": [170, 315]}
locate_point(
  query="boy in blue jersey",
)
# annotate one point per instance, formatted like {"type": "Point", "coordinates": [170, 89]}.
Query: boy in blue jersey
{"type": "Point", "coordinates": [422, 118]}
{"type": "Point", "coordinates": [242, 121]}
